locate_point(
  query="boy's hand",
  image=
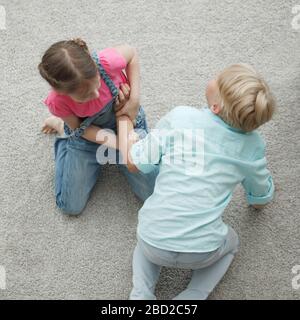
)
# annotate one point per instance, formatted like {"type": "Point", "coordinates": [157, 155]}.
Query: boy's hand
{"type": "Point", "coordinates": [258, 206]}
{"type": "Point", "coordinates": [133, 137]}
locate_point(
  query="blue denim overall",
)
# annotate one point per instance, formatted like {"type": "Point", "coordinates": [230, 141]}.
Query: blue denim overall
{"type": "Point", "coordinates": [76, 166]}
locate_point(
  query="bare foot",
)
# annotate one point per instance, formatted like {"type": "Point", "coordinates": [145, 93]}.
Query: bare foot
{"type": "Point", "coordinates": [53, 125]}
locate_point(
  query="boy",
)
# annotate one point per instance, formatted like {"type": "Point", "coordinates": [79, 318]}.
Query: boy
{"type": "Point", "coordinates": [202, 156]}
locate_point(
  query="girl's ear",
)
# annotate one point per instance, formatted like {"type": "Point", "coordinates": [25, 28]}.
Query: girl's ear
{"type": "Point", "coordinates": [215, 108]}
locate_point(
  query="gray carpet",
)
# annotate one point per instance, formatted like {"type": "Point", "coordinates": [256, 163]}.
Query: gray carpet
{"type": "Point", "coordinates": [182, 43]}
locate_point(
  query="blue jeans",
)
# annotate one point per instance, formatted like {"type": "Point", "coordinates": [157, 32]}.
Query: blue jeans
{"type": "Point", "coordinates": [77, 171]}
{"type": "Point", "coordinates": [208, 268]}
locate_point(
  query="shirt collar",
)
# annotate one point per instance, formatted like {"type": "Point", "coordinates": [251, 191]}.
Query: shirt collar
{"type": "Point", "coordinates": [223, 123]}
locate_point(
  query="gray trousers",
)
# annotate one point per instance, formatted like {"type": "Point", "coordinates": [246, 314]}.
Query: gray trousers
{"type": "Point", "coordinates": [208, 268]}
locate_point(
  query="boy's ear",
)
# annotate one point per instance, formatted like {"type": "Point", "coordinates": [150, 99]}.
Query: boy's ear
{"type": "Point", "coordinates": [215, 108]}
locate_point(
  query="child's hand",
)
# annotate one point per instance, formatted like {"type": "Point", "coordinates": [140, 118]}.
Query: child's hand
{"type": "Point", "coordinates": [127, 105]}
{"type": "Point", "coordinates": [258, 206]}
{"type": "Point", "coordinates": [123, 97]}
{"type": "Point", "coordinates": [133, 137]}
{"type": "Point", "coordinates": [130, 109]}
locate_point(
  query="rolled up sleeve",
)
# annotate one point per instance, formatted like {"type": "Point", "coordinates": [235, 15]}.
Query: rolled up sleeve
{"type": "Point", "coordinates": [146, 154]}
{"type": "Point", "coordinates": [258, 183]}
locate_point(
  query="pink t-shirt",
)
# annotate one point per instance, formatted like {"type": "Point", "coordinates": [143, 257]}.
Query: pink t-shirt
{"type": "Point", "coordinates": [63, 105]}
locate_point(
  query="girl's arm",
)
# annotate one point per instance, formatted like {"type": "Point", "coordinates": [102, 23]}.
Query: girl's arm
{"type": "Point", "coordinates": [93, 133]}
{"type": "Point", "coordinates": [133, 74]}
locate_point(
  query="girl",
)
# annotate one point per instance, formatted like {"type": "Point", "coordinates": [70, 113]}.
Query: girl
{"type": "Point", "coordinates": [82, 101]}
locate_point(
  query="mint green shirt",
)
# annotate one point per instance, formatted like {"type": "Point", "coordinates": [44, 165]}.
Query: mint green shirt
{"type": "Point", "coordinates": [201, 160]}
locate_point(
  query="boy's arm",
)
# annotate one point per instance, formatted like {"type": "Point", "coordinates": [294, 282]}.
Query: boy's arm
{"type": "Point", "coordinates": [258, 184]}
{"type": "Point", "coordinates": [126, 138]}
{"type": "Point", "coordinates": [143, 155]}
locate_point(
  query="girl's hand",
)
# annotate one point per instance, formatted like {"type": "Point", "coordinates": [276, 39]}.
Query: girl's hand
{"type": "Point", "coordinates": [130, 109]}
{"type": "Point", "coordinates": [127, 105]}
{"type": "Point", "coordinates": [123, 97]}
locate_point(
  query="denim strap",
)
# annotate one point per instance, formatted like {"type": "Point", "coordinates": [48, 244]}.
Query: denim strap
{"type": "Point", "coordinates": [113, 90]}
{"type": "Point", "coordinates": [105, 76]}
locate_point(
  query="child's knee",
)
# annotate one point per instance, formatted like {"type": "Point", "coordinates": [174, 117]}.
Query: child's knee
{"type": "Point", "coordinates": [70, 213]}
{"type": "Point", "coordinates": [68, 208]}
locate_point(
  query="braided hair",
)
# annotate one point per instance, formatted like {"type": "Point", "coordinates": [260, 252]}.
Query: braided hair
{"type": "Point", "coordinates": [66, 64]}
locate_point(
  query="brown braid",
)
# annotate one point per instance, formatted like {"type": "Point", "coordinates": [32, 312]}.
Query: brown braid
{"type": "Point", "coordinates": [66, 64]}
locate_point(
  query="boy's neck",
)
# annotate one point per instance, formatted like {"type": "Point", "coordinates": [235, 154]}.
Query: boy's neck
{"type": "Point", "coordinates": [224, 123]}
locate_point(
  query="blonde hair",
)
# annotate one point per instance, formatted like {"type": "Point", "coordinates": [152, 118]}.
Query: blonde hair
{"type": "Point", "coordinates": [67, 64]}
{"type": "Point", "coordinates": [247, 101]}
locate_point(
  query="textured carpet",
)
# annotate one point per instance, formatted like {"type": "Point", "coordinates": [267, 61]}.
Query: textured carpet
{"type": "Point", "coordinates": [182, 43]}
